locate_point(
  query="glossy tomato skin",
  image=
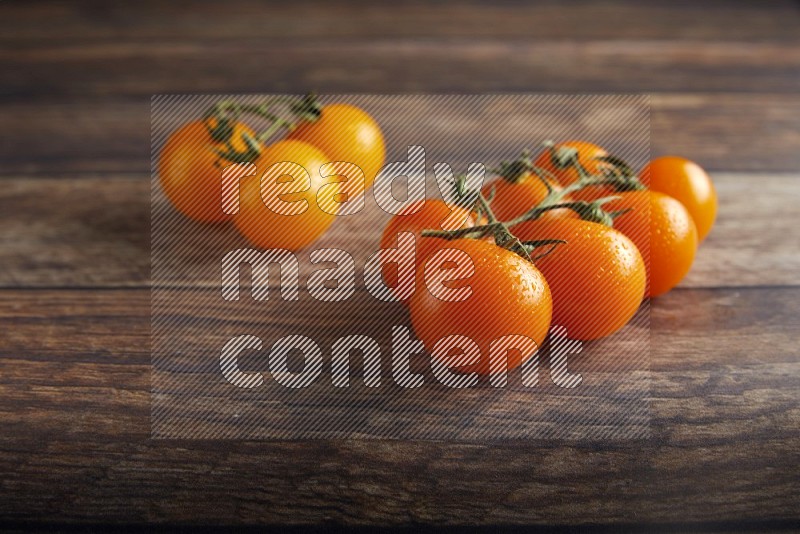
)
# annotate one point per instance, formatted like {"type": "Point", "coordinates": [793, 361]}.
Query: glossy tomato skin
{"type": "Point", "coordinates": [346, 133]}
{"type": "Point", "coordinates": [587, 157]}
{"type": "Point", "coordinates": [268, 228]}
{"type": "Point", "coordinates": [512, 199]}
{"type": "Point", "coordinates": [663, 231]}
{"type": "Point", "coordinates": [688, 183]}
{"type": "Point", "coordinates": [190, 171]}
{"type": "Point", "coordinates": [597, 278]}
{"type": "Point", "coordinates": [594, 192]}
{"type": "Point", "coordinates": [509, 297]}
{"type": "Point", "coordinates": [415, 219]}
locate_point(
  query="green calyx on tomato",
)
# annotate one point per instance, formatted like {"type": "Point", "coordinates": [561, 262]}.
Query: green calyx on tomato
{"type": "Point", "coordinates": [497, 230]}
{"type": "Point", "coordinates": [516, 170]}
{"type": "Point", "coordinates": [616, 174]}
{"type": "Point", "coordinates": [222, 117]}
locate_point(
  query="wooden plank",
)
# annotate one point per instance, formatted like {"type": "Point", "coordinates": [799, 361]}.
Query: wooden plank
{"type": "Point", "coordinates": [140, 68]}
{"type": "Point", "coordinates": [113, 136]}
{"type": "Point", "coordinates": [725, 434]}
{"type": "Point", "coordinates": [754, 241]}
{"type": "Point", "coordinates": [578, 20]}
{"type": "Point", "coordinates": [106, 327]}
{"type": "Point", "coordinates": [93, 231]}
{"type": "Point", "coordinates": [88, 232]}
{"type": "Point", "coordinates": [710, 129]}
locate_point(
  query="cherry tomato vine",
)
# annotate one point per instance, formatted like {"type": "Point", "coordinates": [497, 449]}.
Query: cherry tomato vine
{"type": "Point", "coordinates": [221, 118]}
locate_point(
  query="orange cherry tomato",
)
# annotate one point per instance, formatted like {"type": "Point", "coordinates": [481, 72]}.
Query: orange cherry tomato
{"type": "Point", "coordinates": [587, 157]}
{"type": "Point", "coordinates": [664, 233]}
{"type": "Point", "coordinates": [597, 277]}
{"type": "Point", "coordinates": [190, 170]}
{"type": "Point", "coordinates": [687, 182]}
{"type": "Point", "coordinates": [346, 133]}
{"type": "Point", "coordinates": [509, 297]}
{"type": "Point", "coordinates": [513, 198]}
{"type": "Point", "coordinates": [593, 192]}
{"type": "Point", "coordinates": [284, 209]}
{"type": "Point", "coordinates": [430, 217]}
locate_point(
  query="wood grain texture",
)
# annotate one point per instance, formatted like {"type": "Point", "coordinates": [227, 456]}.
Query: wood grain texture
{"type": "Point", "coordinates": [91, 232]}
{"type": "Point", "coordinates": [76, 388]}
{"type": "Point", "coordinates": [113, 136]}
{"type": "Point", "coordinates": [579, 20]}
{"type": "Point", "coordinates": [75, 86]}
{"type": "Point", "coordinates": [400, 65]}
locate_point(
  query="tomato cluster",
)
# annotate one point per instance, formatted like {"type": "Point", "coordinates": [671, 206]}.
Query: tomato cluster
{"type": "Point", "coordinates": [194, 157]}
{"type": "Point", "coordinates": [613, 238]}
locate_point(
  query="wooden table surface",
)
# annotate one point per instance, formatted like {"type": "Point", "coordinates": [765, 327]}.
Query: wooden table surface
{"type": "Point", "coordinates": [77, 79]}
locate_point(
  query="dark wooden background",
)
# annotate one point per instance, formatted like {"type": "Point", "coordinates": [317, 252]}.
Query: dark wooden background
{"type": "Point", "coordinates": [77, 78]}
